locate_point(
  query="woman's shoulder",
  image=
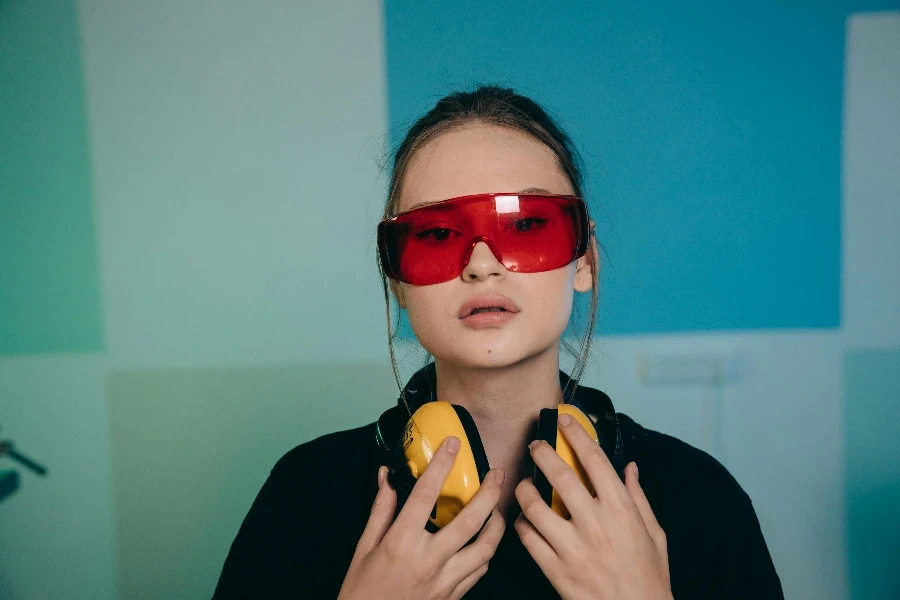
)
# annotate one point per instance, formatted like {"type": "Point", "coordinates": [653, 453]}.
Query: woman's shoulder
{"type": "Point", "coordinates": [685, 480]}
{"type": "Point", "coordinates": [333, 453]}
{"type": "Point", "coordinates": [303, 526]}
{"type": "Point", "coordinates": [672, 458]}
{"type": "Point", "coordinates": [668, 461]}
{"type": "Point", "coordinates": [716, 547]}
{"type": "Point", "coordinates": [333, 476]}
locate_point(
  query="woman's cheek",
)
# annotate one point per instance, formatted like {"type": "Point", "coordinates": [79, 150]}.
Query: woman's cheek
{"type": "Point", "coordinates": [559, 314]}
{"type": "Point", "coordinates": [427, 314]}
{"type": "Point", "coordinates": [556, 301]}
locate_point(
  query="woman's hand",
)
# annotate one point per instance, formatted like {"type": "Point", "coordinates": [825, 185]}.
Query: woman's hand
{"type": "Point", "coordinates": [404, 561]}
{"type": "Point", "coordinates": [613, 547]}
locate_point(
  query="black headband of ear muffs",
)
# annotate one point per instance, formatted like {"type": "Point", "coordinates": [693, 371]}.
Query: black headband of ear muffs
{"type": "Point", "coordinates": [422, 386]}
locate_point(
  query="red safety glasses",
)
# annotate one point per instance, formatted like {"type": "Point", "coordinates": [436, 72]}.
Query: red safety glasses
{"type": "Point", "coordinates": [528, 233]}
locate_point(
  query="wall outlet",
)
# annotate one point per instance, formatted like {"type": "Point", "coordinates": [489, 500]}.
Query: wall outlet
{"type": "Point", "coordinates": [708, 368]}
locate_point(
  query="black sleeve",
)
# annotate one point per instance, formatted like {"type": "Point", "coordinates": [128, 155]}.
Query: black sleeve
{"type": "Point", "coordinates": [746, 571]}
{"type": "Point", "coordinates": [265, 558]}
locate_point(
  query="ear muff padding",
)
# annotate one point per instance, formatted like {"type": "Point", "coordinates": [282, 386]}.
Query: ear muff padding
{"type": "Point", "coordinates": [471, 431]}
{"type": "Point", "coordinates": [546, 431]}
{"type": "Point", "coordinates": [401, 480]}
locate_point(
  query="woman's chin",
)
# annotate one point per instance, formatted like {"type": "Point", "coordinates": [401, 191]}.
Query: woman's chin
{"type": "Point", "coordinates": [488, 357]}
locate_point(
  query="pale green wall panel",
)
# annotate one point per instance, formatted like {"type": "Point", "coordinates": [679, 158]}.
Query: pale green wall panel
{"type": "Point", "coordinates": [873, 473]}
{"type": "Point", "coordinates": [191, 449]}
{"type": "Point", "coordinates": [49, 296]}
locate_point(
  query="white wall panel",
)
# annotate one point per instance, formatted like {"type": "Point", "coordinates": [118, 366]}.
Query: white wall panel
{"type": "Point", "coordinates": [235, 153]}
{"type": "Point", "coordinates": [777, 427]}
{"type": "Point", "coordinates": [871, 181]}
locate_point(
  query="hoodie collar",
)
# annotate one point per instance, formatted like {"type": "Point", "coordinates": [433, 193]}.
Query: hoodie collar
{"type": "Point", "coordinates": [422, 388]}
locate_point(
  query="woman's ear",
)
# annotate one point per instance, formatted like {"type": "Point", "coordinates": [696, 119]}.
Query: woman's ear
{"type": "Point", "coordinates": [584, 266]}
{"type": "Point", "coordinates": [397, 291]}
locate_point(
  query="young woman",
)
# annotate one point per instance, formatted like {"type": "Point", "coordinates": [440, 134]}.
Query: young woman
{"type": "Point", "coordinates": [484, 244]}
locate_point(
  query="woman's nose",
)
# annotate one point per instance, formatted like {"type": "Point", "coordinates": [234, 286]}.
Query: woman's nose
{"type": "Point", "coordinates": [483, 264]}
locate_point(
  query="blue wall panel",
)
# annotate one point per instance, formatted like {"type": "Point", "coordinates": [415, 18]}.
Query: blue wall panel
{"type": "Point", "coordinates": [711, 135]}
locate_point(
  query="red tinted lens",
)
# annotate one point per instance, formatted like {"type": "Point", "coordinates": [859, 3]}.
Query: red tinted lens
{"type": "Point", "coordinates": [530, 233]}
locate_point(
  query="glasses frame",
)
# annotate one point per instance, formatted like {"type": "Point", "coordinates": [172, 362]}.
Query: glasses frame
{"type": "Point", "coordinates": [583, 228]}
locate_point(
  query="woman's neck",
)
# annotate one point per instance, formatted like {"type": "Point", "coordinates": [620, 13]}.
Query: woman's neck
{"type": "Point", "coordinates": [505, 404]}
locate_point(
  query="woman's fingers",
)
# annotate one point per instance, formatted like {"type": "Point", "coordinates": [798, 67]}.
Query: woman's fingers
{"type": "Point", "coordinates": [596, 465]}
{"type": "Point", "coordinates": [538, 547]}
{"type": "Point", "coordinates": [381, 517]}
{"type": "Point", "coordinates": [468, 583]}
{"type": "Point", "coordinates": [567, 484]}
{"type": "Point", "coordinates": [466, 524]}
{"type": "Point", "coordinates": [640, 499]}
{"type": "Point", "coordinates": [425, 492]}
{"type": "Point", "coordinates": [551, 526]}
{"type": "Point", "coordinates": [472, 558]}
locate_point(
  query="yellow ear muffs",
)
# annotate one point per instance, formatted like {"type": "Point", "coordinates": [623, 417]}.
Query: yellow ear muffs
{"type": "Point", "coordinates": [423, 435]}
{"type": "Point", "coordinates": [435, 421]}
{"type": "Point", "coordinates": [548, 430]}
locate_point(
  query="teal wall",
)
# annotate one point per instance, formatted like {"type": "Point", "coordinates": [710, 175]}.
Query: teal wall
{"type": "Point", "coordinates": [187, 274]}
{"type": "Point", "coordinates": [873, 472]}
{"type": "Point", "coordinates": [49, 291]}
{"type": "Point", "coordinates": [56, 533]}
{"type": "Point", "coordinates": [211, 146]}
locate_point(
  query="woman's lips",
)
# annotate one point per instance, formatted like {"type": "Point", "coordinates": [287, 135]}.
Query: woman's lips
{"type": "Point", "coordinates": [488, 319]}
{"type": "Point", "coordinates": [487, 311]}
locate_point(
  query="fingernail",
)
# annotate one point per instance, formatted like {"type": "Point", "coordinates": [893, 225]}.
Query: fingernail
{"type": "Point", "coordinates": [381, 471]}
{"type": "Point", "coordinates": [453, 445]}
{"type": "Point", "coordinates": [564, 419]}
{"type": "Point", "coordinates": [533, 444]}
{"type": "Point", "coordinates": [500, 475]}
{"type": "Point", "coordinates": [635, 471]}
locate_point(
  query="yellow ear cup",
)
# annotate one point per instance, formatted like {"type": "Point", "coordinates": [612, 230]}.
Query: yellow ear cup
{"type": "Point", "coordinates": [424, 433]}
{"type": "Point", "coordinates": [565, 452]}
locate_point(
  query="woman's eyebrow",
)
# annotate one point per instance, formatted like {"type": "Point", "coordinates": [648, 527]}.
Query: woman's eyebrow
{"type": "Point", "coordinates": [421, 204]}
{"type": "Point", "coordinates": [531, 190]}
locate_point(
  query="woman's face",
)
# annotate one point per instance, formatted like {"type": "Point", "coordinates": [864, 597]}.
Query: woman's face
{"type": "Point", "coordinates": [473, 159]}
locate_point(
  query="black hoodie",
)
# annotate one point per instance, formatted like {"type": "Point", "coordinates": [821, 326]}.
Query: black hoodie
{"type": "Point", "coordinates": [300, 534]}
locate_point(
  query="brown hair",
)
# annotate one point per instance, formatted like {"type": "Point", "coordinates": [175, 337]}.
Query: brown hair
{"type": "Point", "coordinates": [492, 105]}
